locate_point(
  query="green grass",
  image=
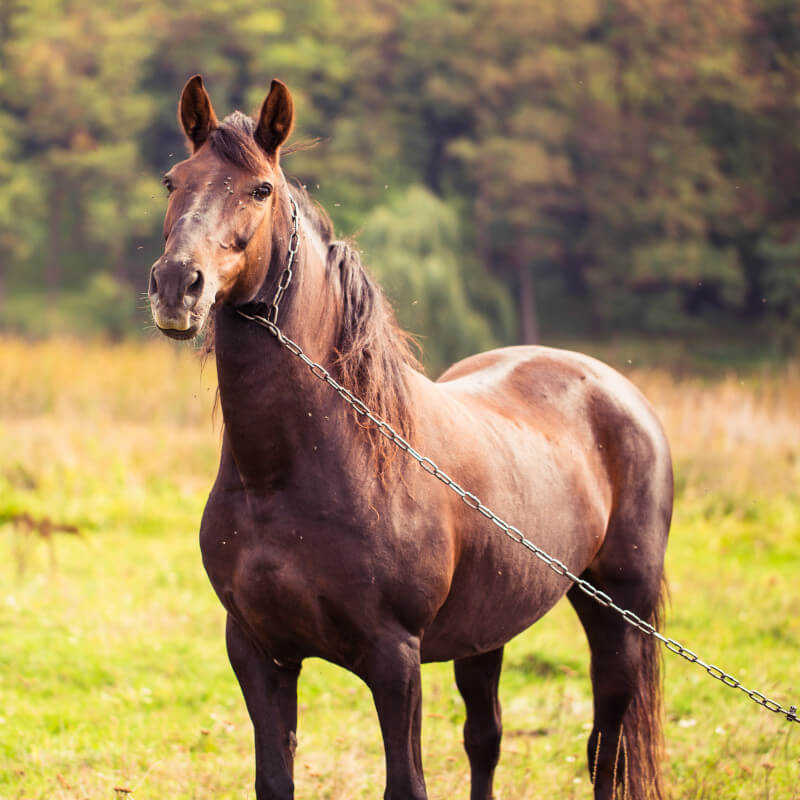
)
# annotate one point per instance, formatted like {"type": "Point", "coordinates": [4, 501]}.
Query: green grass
{"type": "Point", "coordinates": [113, 670]}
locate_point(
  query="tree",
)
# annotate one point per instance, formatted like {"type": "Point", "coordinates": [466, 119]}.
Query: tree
{"type": "Point", "coordinates": [76, 118]}
{"type": "Point", "coordinates": [412, 244]}
{"type": "Point", "coordinates": [627, 165]}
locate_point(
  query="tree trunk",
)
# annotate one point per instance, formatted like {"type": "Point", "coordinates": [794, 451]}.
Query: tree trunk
{"type": "Point", "coordinates": [55, 249]}
{"type": "Point", "coordinates": [482, 211]}
{"type": "Point", "coordinates": [2, 289]}
{"type": "Point", "coordinates": [526, 301]}
{"type": "Point", "coordinates": [753, 267]}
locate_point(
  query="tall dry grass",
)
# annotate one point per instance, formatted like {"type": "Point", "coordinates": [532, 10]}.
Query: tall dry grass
{"type": "Point", "coordinates": [740, 432]}
{"type": "Point", "coordinates": [155, 381]}
{"type": "Point", "coordinates": [110, 422]}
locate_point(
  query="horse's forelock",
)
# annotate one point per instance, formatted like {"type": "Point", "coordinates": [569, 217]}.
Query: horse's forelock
{"type": "Point", "coordinates": [233, 142]}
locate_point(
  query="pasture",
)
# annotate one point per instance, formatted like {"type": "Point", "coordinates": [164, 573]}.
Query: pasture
{"type": "Point", "coordinates": [113, 675]}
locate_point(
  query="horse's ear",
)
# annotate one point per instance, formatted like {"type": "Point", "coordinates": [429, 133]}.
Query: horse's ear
{"type": "Point", "coordinates": [195, 113]}
{"type": "Point", "coordinates": [276, 118]}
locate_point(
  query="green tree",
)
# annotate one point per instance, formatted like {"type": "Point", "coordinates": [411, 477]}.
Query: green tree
{"type": "Point", "coordinates": [412, 244]}
{"type": "Point", "coordinates": [617, 164]}
{"type": "Point", "coordinates": [77, 120]}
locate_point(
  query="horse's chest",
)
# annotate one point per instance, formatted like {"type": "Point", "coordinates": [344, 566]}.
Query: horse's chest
{"type": "Point", "coordinates": [246, 561]}
{"type": "Point", "coordinates": [299, 587]}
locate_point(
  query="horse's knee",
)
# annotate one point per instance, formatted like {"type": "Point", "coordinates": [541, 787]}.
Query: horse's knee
{"type": "Point", "coordinates": [482, 744]}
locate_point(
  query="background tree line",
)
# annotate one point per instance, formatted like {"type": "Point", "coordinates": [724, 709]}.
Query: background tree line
{"type": "Point", "coordinates": [511, 169]}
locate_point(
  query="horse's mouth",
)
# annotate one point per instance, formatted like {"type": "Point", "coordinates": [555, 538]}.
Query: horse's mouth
{"type": "Point", "coordinates": [180, 326]}
{"type": "Point", "coordinates": [174, 333]}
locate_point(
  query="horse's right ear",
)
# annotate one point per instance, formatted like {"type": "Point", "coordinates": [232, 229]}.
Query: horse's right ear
{"type": "Point", "coordinates": [195, 113]}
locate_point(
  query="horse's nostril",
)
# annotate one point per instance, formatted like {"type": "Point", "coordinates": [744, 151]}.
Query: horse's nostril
{"type": "Point", "coordinates": [153, 287]}
{"type": "Point", "coordinates": [196, 286]}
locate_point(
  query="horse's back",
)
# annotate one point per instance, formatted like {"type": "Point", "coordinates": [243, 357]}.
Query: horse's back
{"type": "Point", "coordinates": [558, 392]}
{"type": "Point", "coordinates": [564, 395]}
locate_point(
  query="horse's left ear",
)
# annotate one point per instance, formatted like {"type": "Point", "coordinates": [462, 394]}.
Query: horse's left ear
{"type": "Point", "coordinates": [276, 118]}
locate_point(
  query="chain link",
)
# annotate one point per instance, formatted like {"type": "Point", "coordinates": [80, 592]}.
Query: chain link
{"type": "Point", "coordinates": [469, 499]}
{"type": "Point", "coordinates": [287, 274]}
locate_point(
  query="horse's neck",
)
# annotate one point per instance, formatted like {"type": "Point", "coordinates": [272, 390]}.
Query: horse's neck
{"type": "Point", "coordinates": [271, 403]}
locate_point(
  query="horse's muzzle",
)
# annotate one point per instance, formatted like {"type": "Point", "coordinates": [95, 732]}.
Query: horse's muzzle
{"type": "Point", "coordinates": [175, 291]}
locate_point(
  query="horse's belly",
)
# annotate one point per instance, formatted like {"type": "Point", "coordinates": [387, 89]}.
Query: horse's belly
{"type": "Point", "coordinates": [499, 587]}
{"type": "Point", "coordinates": [493, 615]}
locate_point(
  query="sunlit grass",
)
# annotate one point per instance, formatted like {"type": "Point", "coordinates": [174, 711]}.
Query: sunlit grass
{"type": "Point", "coordinates": [112, 664]}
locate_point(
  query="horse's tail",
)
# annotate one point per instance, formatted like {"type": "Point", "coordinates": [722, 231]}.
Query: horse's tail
{"type": "Point", "coordinates": [642, 742]}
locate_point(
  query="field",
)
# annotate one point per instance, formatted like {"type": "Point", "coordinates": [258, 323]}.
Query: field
{"type": "Point", "coordinates": [113, 676]}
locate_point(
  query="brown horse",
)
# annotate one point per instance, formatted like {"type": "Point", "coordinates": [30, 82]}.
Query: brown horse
{"type": "Point", "coordinates": [322, 540]}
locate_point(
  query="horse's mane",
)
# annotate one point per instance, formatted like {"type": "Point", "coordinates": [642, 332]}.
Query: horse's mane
{"type": "Point", "coordinates": [373, 353]}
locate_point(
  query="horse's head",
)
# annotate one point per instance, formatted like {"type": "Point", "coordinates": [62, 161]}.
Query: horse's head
{"type": "Point", "coordinates": [223, 211]}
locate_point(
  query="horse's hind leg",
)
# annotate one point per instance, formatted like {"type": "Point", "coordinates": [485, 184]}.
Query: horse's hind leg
{"type": "Point", "coordinates": [270, 693]}
{"type": "Point", "coordinates": [477, 678]}
{"type": "Point", "coordinates": [625, 744]}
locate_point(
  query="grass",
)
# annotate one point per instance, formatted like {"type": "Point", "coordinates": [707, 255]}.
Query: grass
{"type": "Point", "coordinates": [113, 675]}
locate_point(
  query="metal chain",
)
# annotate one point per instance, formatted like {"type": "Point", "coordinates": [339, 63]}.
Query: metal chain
{"type": "Point", "coordinates": [474, 503]}
{"type": "Point", "coordinates": [287, 274]}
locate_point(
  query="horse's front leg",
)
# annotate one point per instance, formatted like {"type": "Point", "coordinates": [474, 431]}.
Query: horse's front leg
{"type": "Point", "coordinates": [392, 672]}
{"type": "Point", "coordinates": [270, 693]}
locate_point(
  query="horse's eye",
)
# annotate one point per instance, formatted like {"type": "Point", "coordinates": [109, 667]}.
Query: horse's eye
{"type": "Point", "coordinates": [262, 192]}
{"type": "Point", "coordinates": [169, 184]}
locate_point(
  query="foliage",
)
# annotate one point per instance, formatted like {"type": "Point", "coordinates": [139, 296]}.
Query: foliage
{"type": "Point", "coordinates": [413, 242]}
{"type": "Point", "coordinates": [634, 164]}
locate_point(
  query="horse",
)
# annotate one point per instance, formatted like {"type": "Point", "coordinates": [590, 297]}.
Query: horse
{"type": "Point", "coordinates": [318, 537]}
